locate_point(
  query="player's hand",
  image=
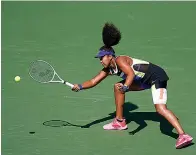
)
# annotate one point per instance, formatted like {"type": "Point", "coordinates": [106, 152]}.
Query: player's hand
{"type": "Point", "coordinates": [76, 88]}
{"type": "Point", "coordinates": [122, 87]}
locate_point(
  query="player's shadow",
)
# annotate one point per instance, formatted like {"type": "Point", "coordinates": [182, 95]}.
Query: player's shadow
{"type": "Point", "coordinates": [140, 118]}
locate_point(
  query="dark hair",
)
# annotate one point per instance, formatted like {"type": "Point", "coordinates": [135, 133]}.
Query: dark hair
{"type": "Point", "coordinates": [110, 36]}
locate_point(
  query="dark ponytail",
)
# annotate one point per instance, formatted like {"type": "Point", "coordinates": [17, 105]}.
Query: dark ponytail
{"type": "Point", "coordinates": [110, 35]}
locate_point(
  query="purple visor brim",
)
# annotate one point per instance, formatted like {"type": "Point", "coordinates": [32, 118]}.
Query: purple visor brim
{"type": "Point", "coordinates": [102, 53]}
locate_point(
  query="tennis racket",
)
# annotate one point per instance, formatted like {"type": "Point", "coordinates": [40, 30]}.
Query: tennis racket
{"type": "Point", "coordinates": [41, 71]}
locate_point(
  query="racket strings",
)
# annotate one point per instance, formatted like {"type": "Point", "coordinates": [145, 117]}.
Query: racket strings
{"type": "Point", "coordinates": [42, 72]}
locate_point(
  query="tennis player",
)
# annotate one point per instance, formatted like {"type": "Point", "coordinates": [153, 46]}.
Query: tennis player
{"type": "Point", "coordinates": [137, 75]}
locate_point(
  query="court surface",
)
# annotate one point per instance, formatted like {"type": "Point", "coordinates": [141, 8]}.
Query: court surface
{"type": "Point", "coordinates": [68, 35]}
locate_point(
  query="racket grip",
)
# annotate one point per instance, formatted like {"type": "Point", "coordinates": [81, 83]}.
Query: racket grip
{"type": "Point", "coordinates": [69, 84]}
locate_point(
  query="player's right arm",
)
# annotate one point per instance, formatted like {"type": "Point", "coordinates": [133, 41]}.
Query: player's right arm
{"type": "Point", "coordinates": [93, 82]}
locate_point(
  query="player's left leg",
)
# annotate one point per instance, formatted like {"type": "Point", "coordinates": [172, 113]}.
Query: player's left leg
{"type": "Point", "coordinates": [160, 99]}
{"type": "Point", "coordinates": [119, 122]}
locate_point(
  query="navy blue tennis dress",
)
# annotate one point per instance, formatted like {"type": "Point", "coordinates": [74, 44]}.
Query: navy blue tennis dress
{"type": "Point", "coordinates": [146, 74]}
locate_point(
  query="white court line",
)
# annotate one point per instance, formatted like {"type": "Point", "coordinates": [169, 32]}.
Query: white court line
{"type": "Point", "coordinates": [174, 68]}
{"type": "Point", "coordinates": [15, 127]}
{"type": "Point", "coordinates": [86, 98]}
{"type": "Point", "coordinates": [185, 48]}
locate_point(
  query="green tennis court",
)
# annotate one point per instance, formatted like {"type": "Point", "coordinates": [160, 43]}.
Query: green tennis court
{"type": "Point", "coordinates": [68, 35]}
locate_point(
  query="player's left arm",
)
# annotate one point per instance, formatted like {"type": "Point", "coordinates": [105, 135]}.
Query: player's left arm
{"type": "Point", "coordinates": [125, 67]}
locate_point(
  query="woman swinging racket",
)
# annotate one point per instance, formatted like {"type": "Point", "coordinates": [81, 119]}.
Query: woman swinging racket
{"type": "Point", "coordinates": [137, 75]}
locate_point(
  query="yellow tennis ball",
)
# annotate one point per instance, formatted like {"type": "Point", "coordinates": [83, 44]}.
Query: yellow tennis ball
{"type": "Point", "coordinates": [17, 78]}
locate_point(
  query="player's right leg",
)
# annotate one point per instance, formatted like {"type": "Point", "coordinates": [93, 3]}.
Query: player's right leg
{"type": "Point", "coordinates": [159, 94]}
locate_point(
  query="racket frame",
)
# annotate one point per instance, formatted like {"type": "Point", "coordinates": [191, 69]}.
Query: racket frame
{"type": "Point", "coordinates": [55, 74]}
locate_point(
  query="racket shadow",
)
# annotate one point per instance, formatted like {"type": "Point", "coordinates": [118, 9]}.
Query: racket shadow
{"type": "Point", "coordinates": [59, 123]}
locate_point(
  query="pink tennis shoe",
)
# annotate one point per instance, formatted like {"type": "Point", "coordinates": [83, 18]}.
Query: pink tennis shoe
{"type": "Point", "coordinates": [183, 140]}
{"type": "Point", "coordinates": [116, 125]}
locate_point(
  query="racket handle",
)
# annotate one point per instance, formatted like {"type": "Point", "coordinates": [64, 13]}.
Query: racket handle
{"type": "Point", "coordinates": [69, 84]}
